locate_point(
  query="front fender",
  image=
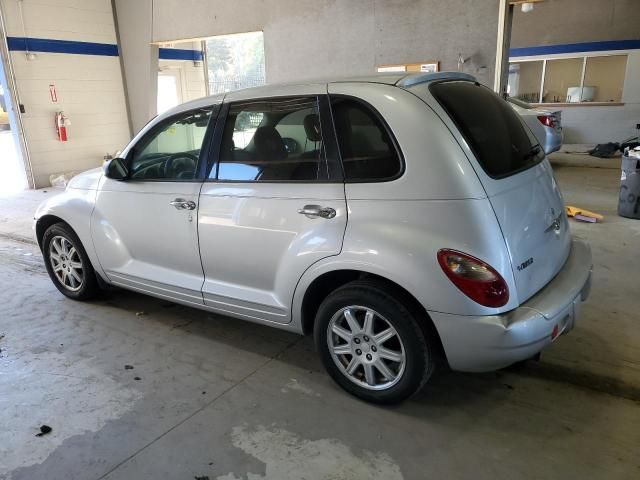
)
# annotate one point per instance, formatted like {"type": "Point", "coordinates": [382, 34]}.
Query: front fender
{"type": "Point", "coordinates": [74, 206]}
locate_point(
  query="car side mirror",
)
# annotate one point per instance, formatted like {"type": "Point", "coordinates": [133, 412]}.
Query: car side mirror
{"type": "Point", "coordinates": [116, 169]}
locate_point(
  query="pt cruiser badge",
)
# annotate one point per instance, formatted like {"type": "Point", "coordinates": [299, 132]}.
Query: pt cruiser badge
{"type": "Point", "coordinates": [525, 264]}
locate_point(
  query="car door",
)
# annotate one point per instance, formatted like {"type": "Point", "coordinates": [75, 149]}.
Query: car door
{"type": "Point", "coordinates": [273, 203]}
{"type": "Point", "coordinates": [145, 227]}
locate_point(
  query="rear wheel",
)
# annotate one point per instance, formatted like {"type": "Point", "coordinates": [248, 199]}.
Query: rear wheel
{"type": "Point", "coordinates": [371, 344]}
{"type": "Point", "coordinates": [68, 264]}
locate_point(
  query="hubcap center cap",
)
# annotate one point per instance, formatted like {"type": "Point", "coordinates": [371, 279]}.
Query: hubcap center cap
{"type": "Point", "coordinates": [364, 345]}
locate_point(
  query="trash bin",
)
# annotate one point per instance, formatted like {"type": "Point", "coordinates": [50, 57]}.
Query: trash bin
{"type": "Point", "coordinates": [629, 201]}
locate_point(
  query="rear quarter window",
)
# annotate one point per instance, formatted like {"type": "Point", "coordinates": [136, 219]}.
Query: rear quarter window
{"type": "Point", "coordinates": [501, 142]}
{"type": "Point", "coordinates": [368, 150]}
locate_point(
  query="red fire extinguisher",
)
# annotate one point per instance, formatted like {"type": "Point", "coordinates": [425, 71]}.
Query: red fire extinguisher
{"type": "Point", "coordinates": [61, 126]}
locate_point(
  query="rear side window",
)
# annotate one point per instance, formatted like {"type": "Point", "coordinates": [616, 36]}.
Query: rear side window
{"type": "Point", "coordinates": [368, 151]}
{"type": "Point", "coordinates": [494, 131]}
{"type": "Point", "coordinates": [273, 140]}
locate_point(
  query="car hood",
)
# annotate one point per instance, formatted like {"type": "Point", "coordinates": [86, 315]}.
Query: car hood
{"type": "Point", "coordinates": [87, 180]}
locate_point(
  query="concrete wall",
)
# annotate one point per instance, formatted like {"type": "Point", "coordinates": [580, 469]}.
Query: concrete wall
{"type": "Point", "coordinates": [139, 59]}
{"type": "Point", "coordinates": [343, 37]}
{"type": "Point", "coordinates": [89, 87]}
{"type": "Point", "coordinates": [574, 21]}
{"type": "Point", "coordinates": [305, 39]}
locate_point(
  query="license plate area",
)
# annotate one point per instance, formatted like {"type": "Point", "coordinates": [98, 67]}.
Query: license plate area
{"type": "Point", "coordinates": [566, 320]}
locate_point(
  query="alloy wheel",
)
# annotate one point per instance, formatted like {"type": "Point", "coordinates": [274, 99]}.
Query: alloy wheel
{"type": "Point", "coordinates": [66, 263]}
{"type": "Point", "coordinates": [366, 347]}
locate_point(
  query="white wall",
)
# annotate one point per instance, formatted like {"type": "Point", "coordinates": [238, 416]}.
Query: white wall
{"type": "Point", "coordinates": [591, 125]}
{"type": "Point", "coordinates": [191, 73]}
{"type": "Point", "coordinates": [89, 87]}
{"type": "Point", "coordinates": [139, 59]}
{"type": "Point", "coordinates": [557, 22]}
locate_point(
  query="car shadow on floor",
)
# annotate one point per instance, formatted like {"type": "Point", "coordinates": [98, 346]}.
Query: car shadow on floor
{"type": "Point", "coordinates": [446, 387]}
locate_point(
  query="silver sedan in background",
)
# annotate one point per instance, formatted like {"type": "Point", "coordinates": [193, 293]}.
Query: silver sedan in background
{"type": "Point", "coordinates": [546, 125]}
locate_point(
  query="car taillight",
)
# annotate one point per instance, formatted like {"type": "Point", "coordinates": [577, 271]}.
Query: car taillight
{"type": "Point", "coordinates": [473, 277]}
{"type": "Point", "coordinates": [546, 120]}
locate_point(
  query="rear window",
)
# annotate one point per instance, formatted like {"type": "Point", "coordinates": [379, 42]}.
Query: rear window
{"type": "Point", "coordinates": [493, 130]}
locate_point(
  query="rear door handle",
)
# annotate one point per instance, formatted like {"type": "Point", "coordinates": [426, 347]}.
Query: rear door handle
{"type": "Point", "coordinates": [182, 204]}
{"type": "Point", "coordinates": [317, 211]}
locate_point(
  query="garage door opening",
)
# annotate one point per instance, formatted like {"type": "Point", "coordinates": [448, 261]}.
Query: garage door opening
{"type": "Point", "coordinates": [12, 173]}
{"type": "Point", "coordinates": [169, 89]}
{"type": "Point", "coordinates": [235, 61]}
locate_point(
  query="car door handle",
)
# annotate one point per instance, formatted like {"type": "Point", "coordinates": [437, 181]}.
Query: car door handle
{"type": "Point", "coordinates": [182, 204]}
{"type": "Point", "coordinates": [317, 211]}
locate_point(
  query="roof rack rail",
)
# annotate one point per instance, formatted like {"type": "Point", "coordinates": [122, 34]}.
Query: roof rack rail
{"type": "Point", "coordinates": [418, 78]}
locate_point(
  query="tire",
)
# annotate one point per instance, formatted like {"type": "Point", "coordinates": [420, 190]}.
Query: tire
{"type": "Point", "coordinates": [72, 257]}
{"type": "Point", "coordinates": [409, 357]}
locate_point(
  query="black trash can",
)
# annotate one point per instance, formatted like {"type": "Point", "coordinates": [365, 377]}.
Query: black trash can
{"type": "Point", "coordinates": [629, 201]}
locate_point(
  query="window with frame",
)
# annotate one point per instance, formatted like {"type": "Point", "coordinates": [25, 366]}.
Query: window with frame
{"type": "Point", "coordinates": [367, 149]}
{"type": "Point", "coordinates": [582, 79]}
{"type": "Point", "coordinates": [273, 140]}
{"type": "Point", "coordinates": [171, 149]}
{"type": "Point", "coordinates": [495, 132]}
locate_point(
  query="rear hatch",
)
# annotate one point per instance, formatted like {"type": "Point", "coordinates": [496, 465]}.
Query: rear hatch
{"type": "Point", "coordinates": [517, 178]}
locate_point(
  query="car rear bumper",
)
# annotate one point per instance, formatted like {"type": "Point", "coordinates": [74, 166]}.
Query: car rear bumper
{"type": "Point", "coordinates": [552, 140]}
{"type": "Point", "coordinates": [484, 343]}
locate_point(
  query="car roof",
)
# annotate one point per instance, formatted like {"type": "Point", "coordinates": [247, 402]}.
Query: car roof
{"type": "Point", "coordinates": [402, 80]}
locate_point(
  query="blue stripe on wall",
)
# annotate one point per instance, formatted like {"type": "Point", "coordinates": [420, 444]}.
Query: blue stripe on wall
{"type": "Point", "coordinates": [575, 47]}
{"type": "Point", "coordinates": [180, 54]}
{"type": "Point", "coordinates": [23, 44]}
{"type": "Point", "coordinates": [61, 46]}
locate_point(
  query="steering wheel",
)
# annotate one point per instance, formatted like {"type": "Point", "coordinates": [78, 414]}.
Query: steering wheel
{"type": "Point", "coordinates": [171, 164]}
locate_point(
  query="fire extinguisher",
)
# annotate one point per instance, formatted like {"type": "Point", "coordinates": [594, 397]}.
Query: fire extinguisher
{"type": "Point", "coordinates": [62, 123]}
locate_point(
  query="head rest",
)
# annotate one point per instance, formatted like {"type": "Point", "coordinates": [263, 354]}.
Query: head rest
{"type": "Point", "coordinates": [269, 144]}
{"type": "Point", "coordinates": [312, 127]}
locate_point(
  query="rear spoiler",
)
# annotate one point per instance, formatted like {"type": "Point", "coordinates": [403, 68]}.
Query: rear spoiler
{"type": "Point", "coordinates": [417, 78]}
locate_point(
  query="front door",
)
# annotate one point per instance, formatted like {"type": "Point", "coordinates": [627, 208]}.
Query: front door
{"type": "Point", "coordinates": [145, 227]}
{"type": "Point", "coordinates": [274, 203]}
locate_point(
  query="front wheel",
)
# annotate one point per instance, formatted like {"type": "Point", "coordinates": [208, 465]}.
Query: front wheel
{"type": "Point", "coordinates": [68, 264]}
{"type": "Point", "coordinates": [371, 344]}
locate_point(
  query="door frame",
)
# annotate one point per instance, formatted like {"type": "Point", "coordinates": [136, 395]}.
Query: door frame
{"type": "Point", "coordinates": [13, 100]}
{"type": "Point", "coordinates": [181, 83]}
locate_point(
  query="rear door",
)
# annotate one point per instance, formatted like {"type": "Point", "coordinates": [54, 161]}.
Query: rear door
{"type": "Point", "coordinates": [517, 178]}
{"type": "Point", "coordinates": [273, 203]}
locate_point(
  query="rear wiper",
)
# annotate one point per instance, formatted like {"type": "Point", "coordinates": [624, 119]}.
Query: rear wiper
{"type": "Point", "coordinates": [535, 150]}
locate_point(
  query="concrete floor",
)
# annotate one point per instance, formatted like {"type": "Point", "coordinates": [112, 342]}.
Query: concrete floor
{"type": "Point", "coordinates": [214, 397]}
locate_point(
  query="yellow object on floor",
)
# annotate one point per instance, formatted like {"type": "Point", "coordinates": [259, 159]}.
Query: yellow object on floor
{"type": "Point", "coordinates": [583, 215]}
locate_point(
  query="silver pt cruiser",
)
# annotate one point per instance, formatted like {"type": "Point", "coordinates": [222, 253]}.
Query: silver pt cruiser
{"type": "Point", "coordinates": [397, 218]}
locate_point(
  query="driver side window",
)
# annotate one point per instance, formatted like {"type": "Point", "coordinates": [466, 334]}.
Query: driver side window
{"type": "Point", "coordinates": [171, 149]}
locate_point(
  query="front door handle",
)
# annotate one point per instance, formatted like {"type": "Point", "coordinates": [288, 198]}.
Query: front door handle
{"type": "Point", "coordinates": [182, 204]}
{"type": "Point", "coordinates": [317, 211]}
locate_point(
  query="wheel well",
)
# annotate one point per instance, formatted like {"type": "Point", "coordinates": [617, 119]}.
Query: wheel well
{"type": "Point", "coordinates": [322, 286]}
{"type": "Point", "coordinates": [45, 222]}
